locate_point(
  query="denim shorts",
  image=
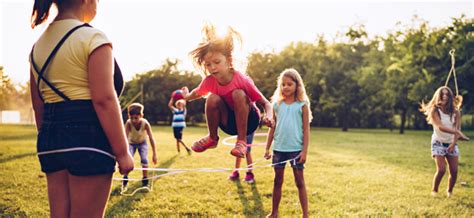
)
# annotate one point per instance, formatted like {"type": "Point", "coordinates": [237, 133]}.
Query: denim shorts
{"type": "Point", "coordinates": [71, 138]}
{"type": "Point", "coordinates": [279, 157]}
{"type": "Point", "coordinates": [252, 122]}
{"type": "Point", "coordinates": [441, 149]}
{"type": "Point", "coordinates": [178, 132]}
{"type": "Point", "coordinates": [142, 151]}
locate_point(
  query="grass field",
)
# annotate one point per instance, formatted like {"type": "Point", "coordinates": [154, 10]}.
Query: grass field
{"type": "Point", "coordinates": [356, 173]}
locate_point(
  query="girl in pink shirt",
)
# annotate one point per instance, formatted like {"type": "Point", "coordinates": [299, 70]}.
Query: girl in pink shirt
{"type": "Point", "coordinates": [231, 95]}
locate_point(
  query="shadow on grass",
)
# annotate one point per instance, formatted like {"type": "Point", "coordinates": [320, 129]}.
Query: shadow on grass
{"type": "Point", "coordinates": [126, 202]}
{"type": "Point", "coordinates": [255, 210]}
{"type": "Point", "coordinates": [18, 156]}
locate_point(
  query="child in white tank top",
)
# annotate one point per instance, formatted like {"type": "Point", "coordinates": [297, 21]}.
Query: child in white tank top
{"type": "Point", "coordinates": [442, 111]}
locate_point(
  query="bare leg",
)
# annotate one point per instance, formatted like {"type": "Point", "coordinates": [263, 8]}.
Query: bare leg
{"type": "Point", "coordinates": [241, 113]}
{"type": "Point", "coordinates": [453, 172]}
{"type": "Point", "coordinates": [186, 147]}
{"type": "Point", "coordinates": [58, 193]}
{"type": "Point", "coordinates": [440, 170]}
{"type": "Point", "coordinates": [145, 171]}
{"type": "Point", "coordinates": [177, 145]}
{"type": "Point", "coordinates": [249, 160]}
{"type": "Point", "coordinates": [89, 195]}
{"type": "Point", "coordinates": [216, 112]}
{"type": "Point", "coordinates": [277, 187]}
{"type": "Point", "coordinates": [299, 180]}
{"type": "Point", "coordinates": [237, 162]}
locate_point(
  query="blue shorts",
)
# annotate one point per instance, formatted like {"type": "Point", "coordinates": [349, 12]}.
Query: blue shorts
{"type": "Point", "coordinates": [279, 157]}
{"type": "Point", "coordinates": [178, 132]}
{"type": "Point", "coordinates": [142, 151]}
{"type": "Point", "coordinates": [71, 138]}
{"type": "Point", "coordinates": [441, 149]}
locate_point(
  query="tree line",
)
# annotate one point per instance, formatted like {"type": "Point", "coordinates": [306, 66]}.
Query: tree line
{"type": "Point", "coordinates": [354, 81]}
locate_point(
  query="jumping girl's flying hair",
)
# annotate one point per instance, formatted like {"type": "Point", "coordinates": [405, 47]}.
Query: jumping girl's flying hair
{"type": "Point", "coordinates": [214, 43]}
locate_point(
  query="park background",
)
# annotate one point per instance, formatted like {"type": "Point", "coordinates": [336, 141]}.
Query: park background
{"type": "Point", "coordinates": [369, 150]}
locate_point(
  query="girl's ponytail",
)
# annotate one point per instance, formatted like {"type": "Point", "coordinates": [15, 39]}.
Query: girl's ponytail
{"type": "Point", "coordinates": [40, 12]}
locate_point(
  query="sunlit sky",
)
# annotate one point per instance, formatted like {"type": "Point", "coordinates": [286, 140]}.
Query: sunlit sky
{"type": "Point", "coordinates": [145, 32]}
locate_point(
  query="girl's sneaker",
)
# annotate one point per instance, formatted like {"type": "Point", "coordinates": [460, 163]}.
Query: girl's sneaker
{"type": "Point", "coordinates": [240, 149]}
{"type": "Point", "coordinates": [234, 176]}
{"type": "Point", "coordinates": [249, 177]}
{"type": "Point", "coordinates": [204, 144]}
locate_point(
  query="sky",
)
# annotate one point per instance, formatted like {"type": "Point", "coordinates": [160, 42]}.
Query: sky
{"type": "Point", "coordinates": [145, 33]}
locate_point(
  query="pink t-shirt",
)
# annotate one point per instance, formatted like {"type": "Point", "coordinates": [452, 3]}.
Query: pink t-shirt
{"type": "Point", "coordinates": [239, 81]}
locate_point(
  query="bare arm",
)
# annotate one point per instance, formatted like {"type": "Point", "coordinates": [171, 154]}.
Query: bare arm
{"type": "Point", "coordinates": [190, 96]}
{"type": "Point", "coordinates": [152, 141]}
{"type": "Point", "coordinates": [306, 129]}
{"type": "Point", "coordinates": [106, 104]}
{"type": "Point", "coordinates": [269, 118]}
{"type": "Point", "coordinates": [271, 133]}
{"type": "Point", "coordinates": [127, 128]}
{"type": "Point", "coordinates": [38, 105]}
{"type": "Point", "coordinates": [458, 120]}
{"type": "Point", "coordinates": [170, 104]}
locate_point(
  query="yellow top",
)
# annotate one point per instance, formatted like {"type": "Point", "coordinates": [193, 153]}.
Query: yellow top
{"type": "Point", "coordinates": [137, 136]}
{"type": "Point", "coordinates": [67, 71]}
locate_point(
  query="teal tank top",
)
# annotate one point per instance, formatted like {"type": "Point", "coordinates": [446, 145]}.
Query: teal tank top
{"type": "Point", "coordinates": [288, 136]}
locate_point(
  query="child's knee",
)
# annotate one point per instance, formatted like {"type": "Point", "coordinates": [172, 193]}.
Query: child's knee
{"type": "Point", "coordinates": [239, 95]}
{"type": "Point", "coordinates": [441, 171]}
{"type": "Point", "coordinates": [278, 181]}
{"type": "Point", "coordinates": [213, 100]}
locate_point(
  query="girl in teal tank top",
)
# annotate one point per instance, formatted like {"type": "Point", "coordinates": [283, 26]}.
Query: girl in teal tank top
{"type": "Point", "coordinates": [290, 135]}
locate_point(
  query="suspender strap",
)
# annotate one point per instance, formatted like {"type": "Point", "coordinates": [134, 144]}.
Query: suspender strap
{"type": "Point", "coordinates": [48, 60]}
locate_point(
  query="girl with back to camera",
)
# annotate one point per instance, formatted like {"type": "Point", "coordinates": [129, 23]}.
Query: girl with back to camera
{"type": "Point", "coordinates": [442, 111]}
{"type": "Point", "coordinates": [290, 137]}
{"type": "Point", "coordinates": [231, 95]}
{"type": "Point", "coordinates": [80, 131]}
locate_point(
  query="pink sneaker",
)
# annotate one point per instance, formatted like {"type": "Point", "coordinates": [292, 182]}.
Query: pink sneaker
{"type": "Point", "coordinates": [204, 144]}
{"type": "Point", "coordinates": [240, 149]}
{"type": "Point", "coordinates": [234, 176]}
{"type": "Point", "coordinates": [249, 177]}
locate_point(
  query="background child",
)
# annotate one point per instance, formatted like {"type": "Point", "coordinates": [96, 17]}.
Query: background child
{"type": "Point", "coordinates": [290, 137]}
{"type": "Point", "coordinates": [249, 176]}
{"type": "Point", "coordinates": [78, 112]}
{"type": "Point", "coordinates": [442, 111]}
{"type": "Point", "coordinates": [225, 88]}
{"type": "Point", "coordinates": [137, 129]}
{"type": "Point", "coordinates": [179, 123]}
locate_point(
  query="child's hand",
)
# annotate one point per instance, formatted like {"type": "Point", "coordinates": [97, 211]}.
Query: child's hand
{"type": "Point", "coordinates": [451, 148]}
{"type": "Point", "coordinates": [267, 155]}
{"type": "Point", "coordinates": [125, 164]}
{"type": "Point", "coordinates": [154, 159]}
{"type": "Point", "coordinates": [462, 136]}
{"type": "Point", "coordinates": [185, 90]}
{"type": "Point", "coordinates": [268, 121]}
{"type": "Point", "coordinates": [302, 158]}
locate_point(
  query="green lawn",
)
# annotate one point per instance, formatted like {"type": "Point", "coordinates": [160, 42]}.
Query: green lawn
{"type": "Point", "coordinates": [356, 173]}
